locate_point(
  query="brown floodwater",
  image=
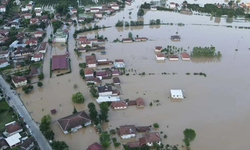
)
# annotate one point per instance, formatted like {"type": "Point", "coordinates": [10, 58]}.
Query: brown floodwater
{"type": "Point", "coordinates": [216, 106]}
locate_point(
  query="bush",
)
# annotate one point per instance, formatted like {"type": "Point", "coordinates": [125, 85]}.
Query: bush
{"type": "Point", "coordinates": [39, 84]}
{"type": "Point", "coordinates": [156, 125]}
{"type": "Point", "coordinates": [151, 104]}
{"type": "Point", "coordinates": [116, 144]}
{"type": "Point", "coordinates": [78, 97]}
{"type": "Point", "coordinates": [41, 76]}
{"type": "Point", "coordinates": [165, 136]}
{"type": "Point", "coordinates": [112, 131]}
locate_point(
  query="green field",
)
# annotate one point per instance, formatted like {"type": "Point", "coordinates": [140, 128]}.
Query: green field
{"type": "Point", "coordinates": [5, 116]}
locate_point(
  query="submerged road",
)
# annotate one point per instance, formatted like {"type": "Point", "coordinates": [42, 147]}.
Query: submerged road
{"type": "Point", "coordinates": [17, 103]}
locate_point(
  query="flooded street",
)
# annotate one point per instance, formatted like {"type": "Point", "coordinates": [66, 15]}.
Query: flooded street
{"type": "Point", "coordinates": [216, 107]}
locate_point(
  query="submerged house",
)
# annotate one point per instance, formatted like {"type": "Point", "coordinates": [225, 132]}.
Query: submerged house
{"type": "Point", "coordinates": [150, 138]}
{"type": "Point", "coordinates": [127, 131]}
{"type": "Point", "coordinates": [74, 122]}
{"type": "Point", "coordinates": [60, 36]}
{"type": "Point", "coordinates": [176, 94]}
{"type": "Point", "coordinates": [175, 38]}
{"type": "Point", "coordinates": [185, 56]}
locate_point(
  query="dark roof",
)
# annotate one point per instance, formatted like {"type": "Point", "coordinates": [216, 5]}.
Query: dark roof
{"type": "Point", "coordinates": [118, 104]}
{"type": "Point", "coordinates": [95, 146]}
{"type": "Point", "coordinates": [27, 142]}
{"type": "Point", "coordinates": [101, 73]}
{"type": "Point", "coordinates": [59, 62]}
{"type": "Point", "coordinates": [33, 70]}
{"type": "Point", "coordinates": [88, 71]}
{"type": "Point", "coordinates": [116, 80]}
{"type": "Point", "coordinates": [127, 129]}
{"type": "Point", "coordinates": [91, 59]}
{"type": "Point", "coordinates": [142, 141]}
{"type": "Point", "coordinates": [152, 137]}
{"type": "Point", "coordinates": [53, 111]}
{"type": "Point", "coordinates": [140, 101]}
{"type": "Point", "coordinates": [3, 143]}
{"type": "Point", "coordinates": [175, 37]}
{"type": "Point", "coordinates": [43, 46]}
{"type": "Point", "coordinates": [13, 127]}
{"type": "Point", "coordinates": [74, 120]}
{"type": "Point", "coordinates": [104, 88]}
{"type": "Point", "coordinates": [133, 144]}
{"type": "Point", "coordinates": [18, 79]}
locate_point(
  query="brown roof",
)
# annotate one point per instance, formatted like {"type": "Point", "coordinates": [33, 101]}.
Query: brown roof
{"type": "Point", "coordinates": [43, 46]}
{"type": "Point", "coordinates": [59, 62]}
{"type": "Point", "coordinates": [173, 56]}
{"type": "Point", "coordinates": [140, 38]}
{"type": "Point", "coordinates": [133, 144]}
{"type": "Point", "coordinates": [152, 137]}
{"type": "Point", "coordinates": [131, 102]}
{"type": "Point", "coordinates": [106, 88]}
{"type": "Point", "coordinates": [116, 80]}
{"type": "Point", "coordinates": [90, 59]}
{"type": "Point", "coordinates": [127, 129]}
{"type": "Point", "coordinates": [143, 128]}
{"type": "Point", "coordinates": [82, 38]}
{"type": "Point", "coordinates": [38, 32]}
{"type": "Point", "coordinates": [13, 127]}
{"type": "Point", "coordinates": [4, 52]}
{"type": "Point", "coordinates": [126, 39]}
{"type": "Point", "coordinates": [2, 6]}
{"type": "Point", "coordinates": [105, 62]}
{"type": "Point", "coordinates": [53, 111]}
{"type": "Point", "coordinates": [27, 142]}
{"type": "Point", "coordinates": [142, 141]}
{"type": "Point", "coordinates": [88, 71]}
{"type": "Point", "coordinates": [94, 79]}
{"type": "Point", "coordinates": [101, 73]}
{"type": "Point", "coordinates": [3, 143]}
{"type": "Point", "coordinates": [2, 60]}
{"type": "Point", "coordinates": [119, 60]}
{"type": "Point", "coordinates": [158, 47]}
{"type": "Point", "coordinates": [18, 79]}
{"type": "Point", "coordinates": [95, 146]}
{"type": "Point", "coordinates": [33, 70]}
{"type": "Point", "coordinates": [118, 104]}
{"type": "Point", "coordinates": [27, 14]}
{"type": "Point", "coordinates": [160, 55]}
{"type": "Point", "coordinates": [140, 101]}
{"type": "Point", "coordinates": [74, 120]}
{"type": "Point", "coordinates": [39, 55]}
{"type": "Point", "coordinates": [185, 55]}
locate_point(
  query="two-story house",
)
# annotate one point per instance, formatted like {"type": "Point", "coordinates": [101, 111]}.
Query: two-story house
{"type": "Point", "coordinates": [19, 81]}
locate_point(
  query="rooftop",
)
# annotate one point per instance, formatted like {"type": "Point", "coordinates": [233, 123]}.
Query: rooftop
{"type": "Point", "coordinates": [59, 62]}
{"type": "Point", "coordinates": [18, 79]}
{"type": "Point", "coordinates": [12, 127]}
{"type": "Point", "coordinates": [133, 144]}
{"type": "Point", "coordinates": [118, 104]}
{"type": "Point", "coordinates": [95, 146]}
{"type": "Point", "coordinates": [27, 142]}
{"type": "Point", "coordinates": [14, 139]}
{"type": "Point", "coordinates": [185, 55]}
{"type": "Point", "coordinates": [104, 88]}
{"type": "Point", "coordinates": [127, 129]}
{"type": "Point", "coordinates": [152, 137]}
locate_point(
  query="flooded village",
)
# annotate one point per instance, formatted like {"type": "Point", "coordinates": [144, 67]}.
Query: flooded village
{"type": "Point", "coordinates": [139, 70]}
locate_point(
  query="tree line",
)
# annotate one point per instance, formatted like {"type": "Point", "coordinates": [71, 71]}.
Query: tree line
{"type": "Point", "coordinates": [205, 52]}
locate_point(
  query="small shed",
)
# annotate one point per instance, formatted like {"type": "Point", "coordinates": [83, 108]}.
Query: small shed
{"type": "Point", "coordinates": [140, 102]}
{"type": "Point", "coordinates": [176, 94]}
{"type": "Point", "coordinates": [53, 111]}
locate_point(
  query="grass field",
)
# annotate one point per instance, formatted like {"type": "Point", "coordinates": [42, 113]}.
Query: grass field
{"type": "Point", "coordinates": [5, 116]}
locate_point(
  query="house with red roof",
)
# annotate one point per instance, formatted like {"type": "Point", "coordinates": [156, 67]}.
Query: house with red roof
{"type": "Point", "coordinates": [38, 34]}
{"type": "Point", "coordinates": [173, 57]}
{"type": "Point", "coordinates": [34, 20]}
{"type": "Point", "coordinates": [95, 146]}
{"type": "Point", "coordinates": [185, 56]}
{"type": "Point", "coordinates": [93, 80]}
{"type": "Point", "coordinates": [160, 56]}
{"type": "Point", "coordinates": [158, 49]}
{"type": "Point", "coordinates": [19, 81]}
{"type": "Point", "coordinates": [150, 138]}
{"type": "Point", "coordinates": [73, 11]}
{"type": "Point", "coordinates": [12, 128]}
{"type": "Point", "coordinates": [127, 131]}
{"type": "Point", "coordinates": [3, 63]}
{"type": "Point", "coordinates": [139, 39]}
{"type": "Point", "coordinates": [119, 63]}
{"type": "Point", "coordinates": [29, 6]}
{"type": "Point", "coordinates": [37, 57]}
{"type": "Point", "coordinates": [119, 105]}
{"type": "Point", "coordinates": [43, 47]}
{"type": "Point", "coordinates": [140, 102]}
{"type": "Point", "coordinates": [31, 41]}
{"type": "Point", "coordinates": [88, 72]}
{"type": "Point", "coordinates": [2, 8]}
{"type": "Point", "coordinates": [27, 16]}
{"type": "Point", "coordinates": [91, 61]}
{"type": "Point", "coordinates": [59, 62]}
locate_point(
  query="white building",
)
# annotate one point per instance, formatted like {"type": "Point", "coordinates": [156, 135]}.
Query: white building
{"type": "Point", "coordinates": [38, 34]}
{"type": "Point", "coordinates": [98, 15]}
{"type": "Point", "coordinates": [115, 7]}
{"type": "Point", "coordinates": [3, 63]}
{"type": "Point", "coordinates": [13, 140]}
{"type": "Point", "coordinates": [29, 6]}
{"type": "Point", "coordinates": [37, 57]}
{"type": "Point", "coordinates": [119, 63]}
{"type": "Point", "coordinates": [27, 16]}
{"type": "Point", "coordinates": [172, 5]}
{"type": "Point", "coordinates": [176, 94]}
{"type": "Point", "coordinates": [24, 9]}
{"type": "Point", "coordinates": [60, 36]}
{"type": "Point", "coordinates": [19, 81]}
{"type": "Point", "coordinates": [101, 99]}
{"type": "Point", "coordinates": [2, 8]}
{"type": "Point", "coordinates": [93, 10]}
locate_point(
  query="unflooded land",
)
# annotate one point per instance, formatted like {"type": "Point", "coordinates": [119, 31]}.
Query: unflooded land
{"type": "Point", "coordinates": [216, 106]}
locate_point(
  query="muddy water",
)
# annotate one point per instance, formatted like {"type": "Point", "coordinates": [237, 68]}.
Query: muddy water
{"type": "Point", "coordinates": [216, 106]}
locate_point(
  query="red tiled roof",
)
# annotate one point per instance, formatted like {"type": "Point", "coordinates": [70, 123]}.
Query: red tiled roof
{"type": "Point", "coordinates": [118, 104]}
{"type": "Point", "coordinates": [39, 55]}
{"type": "Point", "coordinates": [152, 137]}
{"type": "Point", "coordinates": [119, 60]}
{"type": "Point", "coordinates": [38, 32]}
{"type": "Point", "coordinates": [140, 38]}
{"type": "Point", "coordinates": [142, 141]}
{"type": "Point", "coordinates": [92, 79]}
{"type": "Point", "coordinates": [158, 47]}
{"type": "Point", "coordinates": [27, 14]}
{"type": "Point", "coordinates": [43, 46]}
{"type": "Point", "coordinates": [185, 55]}
{"type": "Point", "coordinates": [4, 39]}
{"type": "Point", "coordinates": [2, 60]}
{"type": "Point", "coordinates": [73, 9]}
{"type": "Point", "coordinates": [2, 6]}
{"type": "Point", "coordinates": [127, 129]}
{"type": "Point", "coordinates": [29, 5]}
{"type": "Point", "coordinates": [140, 101]}
{"type": "Point", "coordinates": [90, 59]}
{"type": "Point", "coordinates": [59, 62]}
{"type": "Point", "coordinates": [173, 56]}
{"type": "Point", "coordinates": [95, 146]}
{"type": "Point", "coordinates": [88, 71]}
{"type": "Point", "coordinates": [18, 79]}
{"type": "Point", "coordinates": [160, 55]}
{"type": "Point", "coordinates": [82, 38]}
{"type": "Point", "coordinates": [126, 39]}
{"type": "Point", "coordinates": [13, 127]}
{"type": "Point", "coordinates": [101, 73]}
{"type": "Point", "coordinates": [133, 144]}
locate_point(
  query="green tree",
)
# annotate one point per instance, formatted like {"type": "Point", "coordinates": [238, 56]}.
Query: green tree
{"type": "Point", "coordinates": [140, 12]}
{"type": "Point", "coordinates": [93, 114]}
{"type": "Point", "coordinates": [40, 84]}
{"type": "Point", "coordinates": [59, 145]}
{"type": "Point", "coordinates": [67, 16]}
{"type": "Point", "coordinates": [33, 27]}
{"type": "Point", "coordinates": [105, 139]}
{"type": "Point", "coordinates": [218, 13]}
{"type": "Point", "coordinates": [42, 25]}
{"type": "Point", "coordinates": [156, 125]}
{"type": "Point", "coordinates": [56, 25]}
{"type": "Point", "coordinates": [104, 111]}
{"type": "Point", "coordinates": [78, 97]}
{"type": "Point", "coordinates": [130, 35]}
{"type": "Point", "coordinates": [49, 135]}
{"type": "Point", "coordinates": [41, 76]}
{"type": "Point", "coordinates": [74, 111]}
{"type": "Point", "coordinates": [189, 136]}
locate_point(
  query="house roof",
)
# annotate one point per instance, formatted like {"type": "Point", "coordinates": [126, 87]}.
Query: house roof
{"type": "Point", "coordinates": [27, 14]}
{"type": "Point", "coordinates": [127, 129]}
{"type": "Point", "coordinates": [4, 32]}
{"type": "Point", "coordinates": [140, 38]}
{"type": "Point", "coordinates": [73, 9]}
{"type": "Point", "coordinates": [118, 104]}
{"type": "Point", "coordinates": [33, 70]}
{"type": "Point", "coordinates": [29, 5]}
{"type": "Point", "coordinates": [127, 39]}
{"type": "Point", "coordinates": [119, 60]}
{"type": "Point", "coordinates": [18, 79]}
{"type": "Point", "coordinates": [90, 59]}
{"type": "Point", "coordinates": [43, 46]}
{"type": "Point", "coordinates": [2, 6]}
{"type": "Point", "coordinates": [13, 127]}
{"type": "Point", "coordinates": [27, 142]}
{"type": "Point", "coordinates": [93, 79]}
{"type": "Point", "coordinates": [116, 80]}
{"type": "Point", "coordinates": [160, 55]}
{"type": "Point", "coordinates": [106, 88]}
{"type": "Point", "coordinates": [95, 146]}
{"type": "Point", "coordinates": [39, 55]}
{"type": "Point", "coordinates": [3, 143]}
{"type": "Point", "coordinates": [142, 141]}
{"type": "Point", "coordinates": [4, 52]}
{"type": "Point", "coordinates": [133, 144]}
{"type": "Point", "coordinates": [140, 101]}
{"type": "Point", "coordinates": [185, 55]}
{"type": "Point", "coordinates": [115, 72]}
{"type": "Point", "coordinates": [175, 37]}
{"type": "Point", "coordinates": [38, 32]}
{"type": "Point", "coordinates": [13, 140]}
{"type": "Point", "coordinates": [88, 71]}
{"type": "Point", "coordinates": [152, 137]}
{"type": "Point", "coordinates": [158, 47]}
{"type": "Point", "coordinates": [59, 62]}
{"type": "Point", "coordinates": [173, 56]}
{"type": "Point", "coordinates": [2, 60]}
{"type": "Point", "coordinates": [4, 39]}
{"type": "Point", "coordinates": [82, 38]}
{"type": "Point", "coordinates": [101, 73]}
{"type": "Point", "coordinates": [74, 120]}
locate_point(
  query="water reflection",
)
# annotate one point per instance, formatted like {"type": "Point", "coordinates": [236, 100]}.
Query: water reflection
{"type": "Point", "coordinates": [217, 19]}
{"type": "Point", "coordinates": [206, 60]}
